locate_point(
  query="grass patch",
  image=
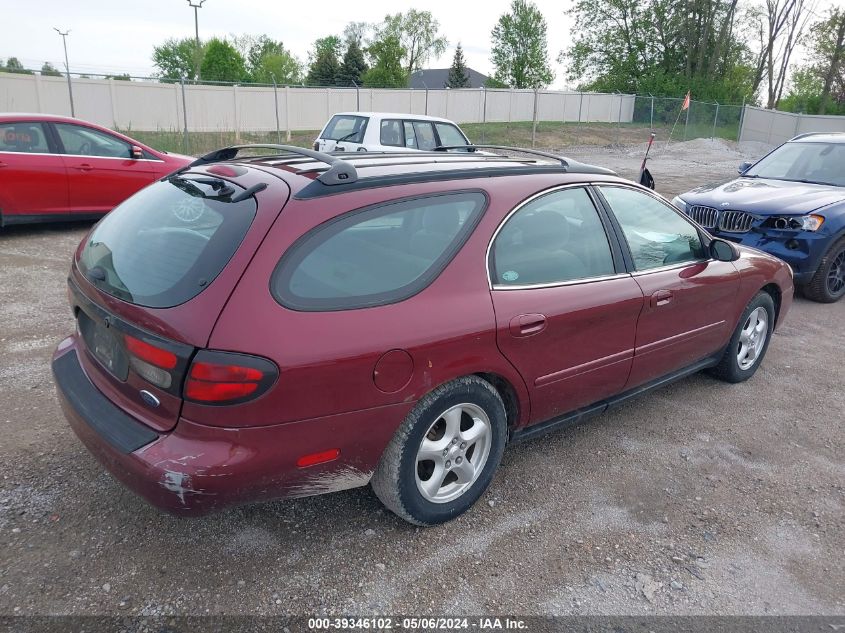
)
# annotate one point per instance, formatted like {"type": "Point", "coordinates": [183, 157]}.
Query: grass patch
{"type": "Point", "coordinates": [549, 135]}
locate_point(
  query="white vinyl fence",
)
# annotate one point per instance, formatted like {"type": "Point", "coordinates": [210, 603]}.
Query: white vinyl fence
{"type": "Point", "coordinates": [151, 106]}
{"type": "Point", "coordinates": [775, 127]}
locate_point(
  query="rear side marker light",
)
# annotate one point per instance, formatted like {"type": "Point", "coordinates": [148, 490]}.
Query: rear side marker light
{"type": "Point", "coordinates": [318, 458]}
{"type": "Point", "coordinates": [228, 378]}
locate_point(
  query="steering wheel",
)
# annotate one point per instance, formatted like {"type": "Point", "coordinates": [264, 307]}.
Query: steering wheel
{"type": "Point", "coordinates": [85, 148]}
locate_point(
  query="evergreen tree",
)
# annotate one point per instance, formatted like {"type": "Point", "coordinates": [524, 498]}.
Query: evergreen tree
{"type": "Point", "coordinates": [458, 75]}
{"type": "Point", "coordinates": [324, 68]}
{"type": "Point", "coordinates": [354, 65]}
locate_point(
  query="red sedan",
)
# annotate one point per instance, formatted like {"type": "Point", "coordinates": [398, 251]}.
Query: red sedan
{"type": "Point", "coordinates": [57, 168]}
{"type": "Point", "coordinates": [293, 324]}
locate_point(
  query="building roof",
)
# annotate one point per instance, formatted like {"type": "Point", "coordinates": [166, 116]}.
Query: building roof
{"type": "Point", "coordinates": [437, 78]}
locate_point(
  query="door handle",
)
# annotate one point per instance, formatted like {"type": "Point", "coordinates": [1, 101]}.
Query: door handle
{"type": "Point", "coordinates": [527, 324]}
{"type": "Point", "coordinates": [2, 164]}
{"type": "Point", "coordinates": [84, 167]}
{"type": "Point", "coordinates": [661, 298]}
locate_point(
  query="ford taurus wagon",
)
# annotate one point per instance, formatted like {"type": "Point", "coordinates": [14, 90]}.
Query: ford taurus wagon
{"type": "Point", "coordinates": [292, 323]}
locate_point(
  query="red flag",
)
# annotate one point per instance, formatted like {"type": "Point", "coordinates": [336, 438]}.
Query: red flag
{"type": "Point", "coordinates": [686, 102]}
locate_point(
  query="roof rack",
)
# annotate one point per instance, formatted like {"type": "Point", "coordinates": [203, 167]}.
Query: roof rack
{"type": "Point", "coordinates": [339, 172]}
{"type": "Point", "coordinates": [524, 150]}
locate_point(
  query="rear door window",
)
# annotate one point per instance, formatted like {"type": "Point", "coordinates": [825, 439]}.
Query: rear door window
{"type": "Point", "coordinates": [392, 133]}
{"type": "Point", "coordinates": [346, 128]}
{"type": "Point", "coordinates": [167, 243]}
{"type": "Point", "coordinates": [24, 137]}
{"type": "Point", "coordinates": [378, 255]}
{"type": "Point", "coordinates": [556, 238]}
{"type": "Point", "coordinates": [425, 136]}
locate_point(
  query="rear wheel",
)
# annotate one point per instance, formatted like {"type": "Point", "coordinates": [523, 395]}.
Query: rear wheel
{"type": "Point", "coordinates": [444, 454]}
{"type": "Point", "coordinates": [828, 284]}
{"type": "Point", "coordinates": [749, 342]}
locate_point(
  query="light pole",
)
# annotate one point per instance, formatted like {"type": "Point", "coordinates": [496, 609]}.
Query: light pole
{"type": "Point", "coordinates": [67, 68]}
{"type": "Point", "coordinates": [197, 4]}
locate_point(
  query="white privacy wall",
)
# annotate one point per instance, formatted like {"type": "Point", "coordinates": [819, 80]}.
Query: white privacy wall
{"type": "Point", "coordinates": [150, 106]}
{"type": "Point", "coordinates": [774, 127]}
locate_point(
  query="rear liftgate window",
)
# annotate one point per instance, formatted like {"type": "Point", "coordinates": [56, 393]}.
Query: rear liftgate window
{"type": "Point", "coordinates": [167, 243]}
{"type": "Point", "coordinates": [378, 255]}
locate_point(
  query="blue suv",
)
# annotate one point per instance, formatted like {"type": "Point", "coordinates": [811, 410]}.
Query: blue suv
{"type": "Point", "coordinates": [790, 203]}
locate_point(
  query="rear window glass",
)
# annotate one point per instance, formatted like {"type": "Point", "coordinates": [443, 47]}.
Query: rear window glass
{"type": "Point", "coordinates": [346, 128]}
{"type": "Point", "coordinates": [376, 256]}
{"type": "Point", "coordinates": [167, 243]}
{"type": "Point", "coordinates": [29, 138]}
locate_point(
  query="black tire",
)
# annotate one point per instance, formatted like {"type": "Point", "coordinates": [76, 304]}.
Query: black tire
{"type": "Point", "coordinates": [395, 478]}
{"type": "Point", "coordinates": [729, 368]}
{"type": "Point", "coordinates": [819, 287]}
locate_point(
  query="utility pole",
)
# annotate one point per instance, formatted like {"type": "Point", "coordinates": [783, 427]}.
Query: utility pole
{"type": "Point", "coordinates": [197, 4]}
{"type": "Point", "coordinates": [67, 68]}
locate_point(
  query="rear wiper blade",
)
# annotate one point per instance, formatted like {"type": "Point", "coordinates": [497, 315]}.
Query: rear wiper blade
{"type": "Point", "coordinates": [251, 191]}
{"type": "Point", "coordinates": [220, 187]}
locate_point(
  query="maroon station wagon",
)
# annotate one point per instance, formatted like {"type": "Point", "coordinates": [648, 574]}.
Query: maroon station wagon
{"type": "Point", "coordinates": [257, 327]}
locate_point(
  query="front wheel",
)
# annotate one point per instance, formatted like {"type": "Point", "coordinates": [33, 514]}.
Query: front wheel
{"type": "Point", "coordinates": [749, 342]}
{"type": "Point", "coordinates": [828, 284]}
{"type": "Point", "coordinates": [444, 454]}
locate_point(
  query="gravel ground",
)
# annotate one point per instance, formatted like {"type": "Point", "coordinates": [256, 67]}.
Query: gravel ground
{"type": "Point", "coordinates": [700, 498]}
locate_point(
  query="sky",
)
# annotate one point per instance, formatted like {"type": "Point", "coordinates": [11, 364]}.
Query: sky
{"type": "Point", "coordinates": [118, 36]}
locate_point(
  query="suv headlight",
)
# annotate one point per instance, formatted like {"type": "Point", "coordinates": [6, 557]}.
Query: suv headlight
{"type": "Point", "coordinates": [797, 222]}
{"type": "Point", "coordinates": [683, 206]}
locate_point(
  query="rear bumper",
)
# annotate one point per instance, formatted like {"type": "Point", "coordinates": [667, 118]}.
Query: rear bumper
{"type": "Point", "coordinates": [196, 469]}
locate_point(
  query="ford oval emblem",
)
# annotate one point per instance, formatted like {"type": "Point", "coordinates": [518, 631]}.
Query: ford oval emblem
{"type": "Point", "coordinates": [149, 398]}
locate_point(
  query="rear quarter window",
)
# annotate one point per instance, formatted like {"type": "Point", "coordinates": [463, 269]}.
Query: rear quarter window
{"type": "Point", "coordinates": [377, 255]}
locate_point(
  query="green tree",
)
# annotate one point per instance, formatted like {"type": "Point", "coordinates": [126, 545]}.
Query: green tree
{"type": "Point", "coordinates": [417, 34]}
{"type": "Point", "coordinates": [828, 51]}
{"type": "Point", "coordinates": [661, 47]}
{"type": "Point", "coordinates": [120, 77]}
{"type": "Point", "coordinates": [222, 62]}
{"type": "Point", "coordinates": [48, 70]}
{"type": "Point", "coordinates": [387, 70]}
{"type": "Point", "coordinates": [267, 59]}
{"type": "Point", "coordinates": [458, 75]}
{"type": "Point", "coordinates": [354, 65]}
{"type": "Point", "coordinates": [13, 65]}
{"type": "Point", "coordinates": [492, 82]}
{"type": "Point", "coordinates": [178, 58]}
{"type": "Point", "coordinates": [520, 53]}
{"type": "Point", "coordinates": [323, 62]}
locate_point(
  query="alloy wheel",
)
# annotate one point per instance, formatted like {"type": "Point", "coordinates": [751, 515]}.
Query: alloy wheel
{"type": "Point", "coordinates": [453, 453]}
{"type": "Point", "coordinates": [836, 274]}
{"type": "Point", "coordinates": [752, 338]}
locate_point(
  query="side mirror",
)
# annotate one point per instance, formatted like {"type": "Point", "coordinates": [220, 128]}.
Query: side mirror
{"type": "Point", "coordinates": [744, 167]}
{"type": "Point", "coordinates": [723, 251]}
{"type": "Point", "coordinates": [136, 152]}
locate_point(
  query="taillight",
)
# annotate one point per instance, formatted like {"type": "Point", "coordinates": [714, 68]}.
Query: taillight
{"type": "Point", "coordinates": [228, 378]}
{"type": "Point", "coordinates": [150, 362]}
